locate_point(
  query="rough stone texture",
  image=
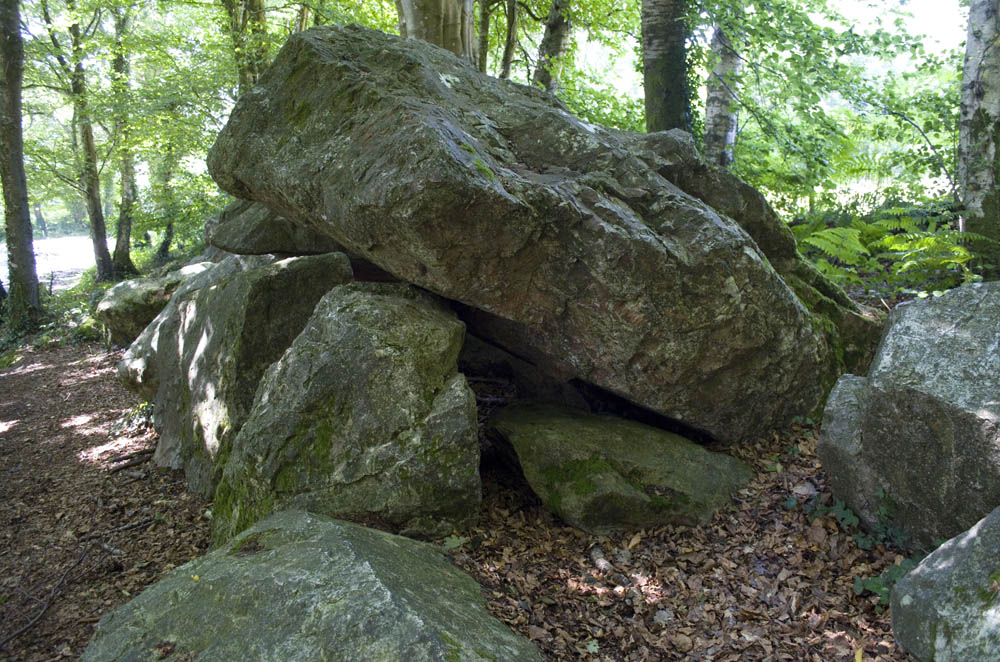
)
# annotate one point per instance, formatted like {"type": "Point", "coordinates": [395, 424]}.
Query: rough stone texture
{"type": "Point", "coordinates": [364, 415]}
{"type": "Point", "coordinates": [916, 444]}
{"type": "Point", "coordinates": [570, 236]}
{"type": "Point", "coordinates": [200, 360]}
{"type": "Point", "coordinates": [128, 307]}
{"type": "Point", "coordinates": [300, 586]}
{"type": "Point", "coordinates": [604, 474]}
{"type": "Point", "coordinates": [250, 228]}
{"type": "Point", "coordinates": [947, 609]}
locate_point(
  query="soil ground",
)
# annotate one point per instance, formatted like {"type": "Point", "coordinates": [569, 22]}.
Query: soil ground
{"type": "Point", "coordinates": [88, 521]}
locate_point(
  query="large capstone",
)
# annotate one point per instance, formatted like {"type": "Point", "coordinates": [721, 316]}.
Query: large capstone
{"type": "Point", "coordinates": [571, 240]}
{"type": "Point", "coordinates": [604, 474]}
{"type": "Point", "coordinates": [300, 586]}
{"type": "Point", "coordinates": [128, 307]}
{"type": "Point", "coordinates": [914, 448]}
{"type": "Point", "coordinates": [200, 360]}
{"type": "Point", "coordinates": [947, 609]}
{"type": "Point", "coordinates": [364, 415]}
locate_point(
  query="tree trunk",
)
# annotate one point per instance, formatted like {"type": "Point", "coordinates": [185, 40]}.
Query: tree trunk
{"type": "Point", "coordinates": [40, 221]}
{"type": "Point", "coordinates": [510, 41]}
{"type": "Point", "coordinates": [24, 307]}
{"type": "Point", "coordinates": [248, 31]}
{"type": "Point", "coordinates": [664, 65]}
{"type": "Point", "coordinates": [444, 23]}
{"type": "Point", "coordinates": [553, 45]}
{"type": "Point", "coordinates": [164, 191]}
{"type": "Point", "coordinates": [979, 122]}
{"type": "Point", "coordinates": [89, 179]}
{"type": "Point", "coordinates": [483, 44]}
{"type": "Point", "coordinates": [122, 258]}
{"type": "Point", "coordinates": [302, 19]}
{"type": "Point", "coordinates": [720, 104]}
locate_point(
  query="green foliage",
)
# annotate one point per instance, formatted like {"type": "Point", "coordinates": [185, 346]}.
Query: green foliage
{"type": "Point", "coordinates": [892, 250]}
{"type": "Point", "coordinates": [881, 585]}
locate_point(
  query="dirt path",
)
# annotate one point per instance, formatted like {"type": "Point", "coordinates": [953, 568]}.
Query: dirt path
{"type": "Point", "coordinates": [77, 536]}
{"type": "Point", "coordinates": [766, 580]}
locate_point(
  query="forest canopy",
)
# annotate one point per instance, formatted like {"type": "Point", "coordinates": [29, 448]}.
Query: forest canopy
{"type": "Point", "coordinates": [841, 113]}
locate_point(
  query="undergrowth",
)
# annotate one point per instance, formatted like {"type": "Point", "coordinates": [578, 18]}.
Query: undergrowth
{"type": "Point", "coordinates": [894, 249]}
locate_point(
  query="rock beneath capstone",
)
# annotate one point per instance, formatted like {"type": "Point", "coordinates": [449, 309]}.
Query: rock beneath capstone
{"type": "Point", "coordinates": [300, 586]}
{"type": "Point", "coordinates": [129, 307]}
{"type": "Point", "coordinates": [250, 228]}
{"type": "Point", "coordinates": [603, 474]}
{"type": "Point", "coordinates": [568, 235]}
{"type": "Point", "coordinates": [947, 609]}
{"type": "Point", "coordinates": [364, 415]}
{"type": "Point", "coordinates": [915, 446]}
{"type": "Point", "coordinates": [200, 360]}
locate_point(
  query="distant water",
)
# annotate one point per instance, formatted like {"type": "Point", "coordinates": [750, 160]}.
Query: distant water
{"type": "Point", "coordinates": [58, 261]}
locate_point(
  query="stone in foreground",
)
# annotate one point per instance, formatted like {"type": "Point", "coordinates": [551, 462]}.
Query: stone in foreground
{"type": "Point", "coordinates": [604, 474]}
{"type": "Point", "coordinates": [570, 237]}
{"type": "Point", "coordinates": [128, 307]}
{"type": "Point", "coordinates": [947, 609]}
{"type": "Point", "coordinates": [300, 586]}
{"type": "Point", "coordinates": [364, 415]}
{"type": "Point", "coordinates": [200, 360]}
{"type": "Point", "coordinates": [916, 444]}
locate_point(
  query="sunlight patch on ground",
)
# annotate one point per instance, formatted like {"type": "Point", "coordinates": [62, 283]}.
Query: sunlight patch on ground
{"type": "Point", "coordinates": [27, 369]}
{"type": "Point", "coordinates": [81, 424]}
{"type": "Point", "coordinates": [5, 426]}
{"type": "Point", "coordinates": [104, 455]}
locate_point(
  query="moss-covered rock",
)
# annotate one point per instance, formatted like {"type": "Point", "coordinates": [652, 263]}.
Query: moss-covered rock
{"type": "Point", "coordinates": [200, 360]}
{"type": "Point", "coordinates": [250, 228]}
{"type": "Point", "coordinates": [129, 307]}
{"type": "Point", "coordinates": [948, 607]}
{"type": "Point", "coordinates": [300, 586]}
{"type": "Point", "coordinates": [365, 415]}
{"type": "Point", "coordinates": [611, 257]}
{"type": "Point", "coordinates": [604, 474]}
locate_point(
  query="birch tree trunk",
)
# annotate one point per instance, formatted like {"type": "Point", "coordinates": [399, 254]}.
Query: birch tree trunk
{"type": "Point", "coordinates": [664, 65]}
{"type": "Point", "coordinates": [720, 103]}
{"type": "Point", "coordinates": [979, 122]}
{"type": "Point", "coordinates": [553, 45]}
{"type": "Point", "coordinates": [23, 305]}
{"type": "Point", "coordinates": [444, 23]}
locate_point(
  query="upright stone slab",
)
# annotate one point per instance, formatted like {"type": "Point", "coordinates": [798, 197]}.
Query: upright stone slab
{"type": "Point", "coordinates": [604, 474]}
{"type": "Point", "coordinates": [916, 444]}
{"type": "Point", "coordinates": [570, 238]}
{"type": "Point", "coordinates": [300, 586]}
{"type": "Point", "coordinates": [364, 415]}
{"type": "Point", "coordinates": [200, 360]}
{"type": "Point", "coordinates": [947, 609]}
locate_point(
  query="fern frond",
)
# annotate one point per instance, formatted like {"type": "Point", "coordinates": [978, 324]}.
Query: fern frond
{"type": "Point", "coordinates": [842, 244]}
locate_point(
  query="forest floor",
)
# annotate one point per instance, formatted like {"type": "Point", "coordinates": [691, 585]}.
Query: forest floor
{"type": "Point", "coordinates": [88, 521]}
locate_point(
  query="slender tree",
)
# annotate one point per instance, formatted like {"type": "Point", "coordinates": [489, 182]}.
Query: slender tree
{"type": "Point", "coordinates": [247, 24]}
{"type": "Point", "coordinates": [664, 65]}
{"type": "Point", "coordinates": [444, 23]}
{"type": "Point", "coordinates": [510, 40]}
{"type": "Point", "coordinates": [24, 307]}
{"type": "Point", "coordinates": [74, 70]}
{"type": "Point", "coordinates": [979, 122]}
{"type": "Point", "coordinates": [553, 45]}
{"type": "Point", "coordinates": [721, 102]}
{"type": "Point", "coordinates": [122, 258]}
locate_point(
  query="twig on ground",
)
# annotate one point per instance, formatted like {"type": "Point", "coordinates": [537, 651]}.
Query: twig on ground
{"type": "Point", "coordinates": [124, 527]}
{"type": "Point", "coordinates": [129, 456]}
{"type": "Point", "coordinates": [131, 463]}
{"type": "Point", "coordinates": [48, 600]}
